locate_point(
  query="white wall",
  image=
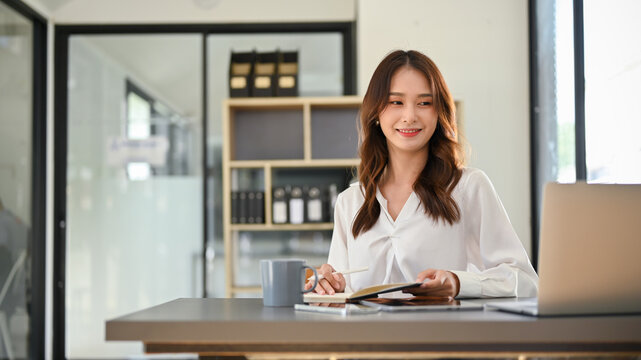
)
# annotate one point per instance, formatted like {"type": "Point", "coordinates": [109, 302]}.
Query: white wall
{"type": "Point", "coordinates": [482, 49]}
{"type": "Point", "coordinates": [203, 11]}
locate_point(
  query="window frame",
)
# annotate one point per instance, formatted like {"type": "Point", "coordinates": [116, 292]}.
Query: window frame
{"type": "Point", "coordinates": [38, 241]}
{"type": "Point", "coordinates": [131, 87]}
{"type": "Point", "coordinates": [540, 160]}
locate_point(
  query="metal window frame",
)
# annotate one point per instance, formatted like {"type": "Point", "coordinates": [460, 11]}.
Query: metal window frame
{"type": "Point", "coordinates": [36, 298]}
{"type": "Point", "coordinates": [579, 92]}
{"type": "Point", "coordinates": [538, 159]}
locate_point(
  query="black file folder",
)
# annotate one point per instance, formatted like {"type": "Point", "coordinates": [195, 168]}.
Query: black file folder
{"type": "Point", "coordinates": [259, 215]}
{"type": "Point", "coordinates": [243, 207]}
{"type": "Point", "coordinates": [235, 208]}
{"type": "Point", "coordinates": [264, 80]}
{"type": "Point", "coordinates": [287, 81]}
{"type": "Point", "coordinates": [241, 72]}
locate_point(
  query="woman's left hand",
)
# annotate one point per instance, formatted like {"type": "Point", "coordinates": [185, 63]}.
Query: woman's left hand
{"type": "Point", "coordinates": [436, 283]}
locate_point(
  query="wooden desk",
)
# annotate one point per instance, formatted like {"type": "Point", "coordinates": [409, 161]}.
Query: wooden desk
{"type": "Point", "coordinates": [240, 327]}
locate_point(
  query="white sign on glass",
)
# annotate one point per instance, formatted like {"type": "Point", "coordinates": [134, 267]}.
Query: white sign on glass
{"type": "Point", "coordinates": [151, 150]}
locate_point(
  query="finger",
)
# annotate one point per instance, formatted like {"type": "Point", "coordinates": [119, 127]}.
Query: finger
{"type": "Point", "coordinates": [443, 284]}
{"type": "Point", "coordinates": [333, 281]}
{"type": "Point", "coordinates": [327, 272]}
{"type": "Point", "coordinates": [319, 290]}
{"type": "Point", "coordinates": [326, 269]}
{"type": "Point", "coordinates": [426, 274]}
{"type": "Point", "coordinates": [337, 281]}
{"type": "Point", "coordinates": [438, 279]}
{"type": "Point", "coordinates": [327, 287]}
{"type": "Point", "coordinates": [342, 283]}
{"type": "Point", "coordinates": [441, 276]}
{"type": "Point", "coordinates": [309, 284]}
{"type": "Point", "coordinates": [431, 283]}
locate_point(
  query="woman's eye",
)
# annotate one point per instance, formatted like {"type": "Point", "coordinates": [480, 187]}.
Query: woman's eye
{"type": "Point", "coordinates": [425, 103]}
{"type": "Point", "coordinates": [395, 102]}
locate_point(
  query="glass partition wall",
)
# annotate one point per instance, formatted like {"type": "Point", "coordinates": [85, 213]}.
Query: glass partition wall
{"type": "Point", "coordinates": [22, 181]}
{"type": "Point", "coordinates": [134, 181]}
{"type": "Point", "coordinates": [142, 223]}
{"type": "Point", "coordinates": [16, 57]}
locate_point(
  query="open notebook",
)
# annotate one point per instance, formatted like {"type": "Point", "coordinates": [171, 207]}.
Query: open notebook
{"type": "Point", "coordinates": [368, 292]}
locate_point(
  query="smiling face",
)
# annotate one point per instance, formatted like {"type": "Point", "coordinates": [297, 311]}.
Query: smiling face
{"type": "Point", "coordinates": [409, 119]}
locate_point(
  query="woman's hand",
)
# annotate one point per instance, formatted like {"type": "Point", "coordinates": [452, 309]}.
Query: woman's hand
{"type": "Point", "coordinates": [330, 283]}
{"type": "Point", "coordinates": [436, 283]}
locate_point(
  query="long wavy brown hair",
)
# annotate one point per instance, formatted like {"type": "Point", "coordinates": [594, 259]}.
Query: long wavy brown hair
{"type": "Point", "coordinates": [442, 170]}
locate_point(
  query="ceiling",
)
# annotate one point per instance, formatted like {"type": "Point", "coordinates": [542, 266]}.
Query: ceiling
{"type": "Point", "coordinates": [53, 5]}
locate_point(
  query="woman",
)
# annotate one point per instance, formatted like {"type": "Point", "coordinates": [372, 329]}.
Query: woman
{"type": "Point", "coordinates": [417, 214]}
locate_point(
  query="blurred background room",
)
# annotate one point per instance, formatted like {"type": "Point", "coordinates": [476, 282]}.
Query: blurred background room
{"type": "Point", "coordinates": [123, 147]}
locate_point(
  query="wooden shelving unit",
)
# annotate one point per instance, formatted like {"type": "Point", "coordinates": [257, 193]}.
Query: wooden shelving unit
{"type": "Point", "coordinates": [270, 134]}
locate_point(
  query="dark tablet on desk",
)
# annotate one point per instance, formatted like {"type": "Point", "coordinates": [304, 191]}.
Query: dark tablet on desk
{"type": "Point", "coordinates": [420, 303]}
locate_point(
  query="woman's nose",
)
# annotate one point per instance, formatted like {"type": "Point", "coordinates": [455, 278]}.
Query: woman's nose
{"type": "Point", "coordinates": [409, 114]}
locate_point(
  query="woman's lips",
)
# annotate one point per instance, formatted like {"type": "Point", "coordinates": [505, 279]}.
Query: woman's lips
{"type": "Point", "coordinates": [408, 132]}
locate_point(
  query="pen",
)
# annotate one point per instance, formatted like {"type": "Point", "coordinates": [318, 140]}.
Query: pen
{"type": "Point", "coordinates": [344, 272]}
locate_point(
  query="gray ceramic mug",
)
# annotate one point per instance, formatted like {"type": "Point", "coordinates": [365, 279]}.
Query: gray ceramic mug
{"type": "Point", "coordinates": [283, 281]}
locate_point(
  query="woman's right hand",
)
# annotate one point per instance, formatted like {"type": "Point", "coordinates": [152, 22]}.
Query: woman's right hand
{"type": "Point", "coordinates": [330, 283]}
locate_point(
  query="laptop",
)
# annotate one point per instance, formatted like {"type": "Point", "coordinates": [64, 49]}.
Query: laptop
{"type": "Point", "coordinates": [590, 252]}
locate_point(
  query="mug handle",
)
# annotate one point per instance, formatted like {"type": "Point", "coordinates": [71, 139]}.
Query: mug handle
{"type": "Point", "coordinates": [315, 278]}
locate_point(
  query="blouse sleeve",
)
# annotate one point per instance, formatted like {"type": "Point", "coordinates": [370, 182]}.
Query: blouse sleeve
{"type": "Point", "coordinates": [499, 265]}
{"type": "Point", "coordinates": [338, 249]}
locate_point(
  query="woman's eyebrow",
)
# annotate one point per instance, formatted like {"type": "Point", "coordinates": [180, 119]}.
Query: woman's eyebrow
{"type": "Point", "coordinates": [402, 94]}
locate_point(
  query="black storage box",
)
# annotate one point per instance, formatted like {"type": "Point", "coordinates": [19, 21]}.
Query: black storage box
{"type": "Point", "coordinates": [264, 79]}
{"type": "Point", "coordinates": [287, 82]}
{"type": "Point", "coordinates": [241, 71]}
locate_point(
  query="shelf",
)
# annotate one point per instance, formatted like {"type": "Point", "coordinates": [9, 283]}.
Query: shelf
{"type": "Point", "coordinates": [282, 227]}
{"type": "Point", "coordinates": [284, 142]}
{"type": "Point", "coordinates": [293, 102]}
{"type": "Point", "coordinates": [294, 163]}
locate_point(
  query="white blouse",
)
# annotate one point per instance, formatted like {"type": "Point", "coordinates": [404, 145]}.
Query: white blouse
{"type": "Point", "coordinates": [482, 248]}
